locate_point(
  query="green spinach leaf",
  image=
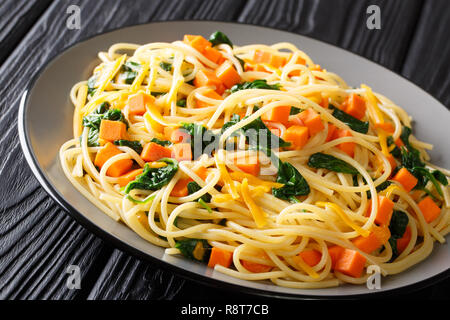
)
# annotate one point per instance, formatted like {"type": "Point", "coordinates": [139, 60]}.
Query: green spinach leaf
{"type": "Point", "coordinates": [164, 143]}
{"type": "Point", "coordinates": [397, 227]}
{"type": "Point", "coordinates": [135, 145]}
{"type": "Point", "coordinates": [194, 187]}
{"type": "Point", "coordinates": [219, 37]}
{"type": "Point", "coordinates": [194, 249]}
{"type": "Point", "coordinates": [256, 84]}
{"type": "Point", "coordinates": [294, 183]}
{"type": "Point", "coordinates": [166, 66]}
{"type": "Point", "coordinates": [91, 84]}
{"type": "Point", "coordinates": [181, 103]}
{"type": "Point", "coordinates": [131, 70]}
{"type": "Point", "coordinates": [154, 178]}
{"type": "Point", "coordinates": [354, 123]}
{"type": "Point", "coordinates": [329, 162]}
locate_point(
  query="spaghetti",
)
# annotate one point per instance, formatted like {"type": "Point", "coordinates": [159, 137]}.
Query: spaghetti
{"type": "Point", "coordinates": [256, 161]}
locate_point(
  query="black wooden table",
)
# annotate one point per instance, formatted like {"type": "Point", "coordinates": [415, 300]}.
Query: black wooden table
{"type": "Point", "coordinates": [38, 240]}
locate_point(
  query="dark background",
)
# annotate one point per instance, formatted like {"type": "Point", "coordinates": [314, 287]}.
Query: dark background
{"type": "Point", "coordinates": [39, 240]}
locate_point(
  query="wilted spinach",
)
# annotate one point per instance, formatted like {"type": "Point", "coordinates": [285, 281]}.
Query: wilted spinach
{"type": "Point", "coordinates": [164, 143]}
{"type": "Point", "coordinates": [135, 145]}
{"type": "Point", "coordinates": [154, 178]}
{"type": "Point", "coordinates": [329, 162]}
{"type": "Point", "coordinates": [354, 123]}
{"type": "Point", "coordinates": [131, 70]}
{"type": "Point", "coordinates": [294, 183]}
{"type": "Point", "coordinates": [256, 84]}
{"type": "Point", "coordinates": [194, 249]}
{"type": "Point", "coordinates": [219, 37]}
{"type": "Point", "coordinates": [194, 187]}
{"type": "Point", "coordinates": [397, 227]}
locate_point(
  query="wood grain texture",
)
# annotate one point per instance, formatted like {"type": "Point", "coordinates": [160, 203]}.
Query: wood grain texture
{"type": "Point", "coordinates": [134, 279]}
{"type": "Point", "coordinates": [343, 23]}
{"type": "Point", "coordinates": [39, 240]}
{"type": "Point", "coordinates": [428, 61]}
{"type": "Point", "coordinates": [17, 17]}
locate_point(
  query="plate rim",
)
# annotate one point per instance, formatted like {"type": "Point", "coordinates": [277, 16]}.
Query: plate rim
{"type": "Point", "coordinates": [37, 171]}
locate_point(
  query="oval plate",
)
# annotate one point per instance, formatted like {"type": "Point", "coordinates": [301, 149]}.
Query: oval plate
{"type": "Point", "coordinates": [45, 123]}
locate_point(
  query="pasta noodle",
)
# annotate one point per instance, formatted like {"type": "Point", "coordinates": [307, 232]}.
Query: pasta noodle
{"type": "Point", "coordinates": [255, 160]}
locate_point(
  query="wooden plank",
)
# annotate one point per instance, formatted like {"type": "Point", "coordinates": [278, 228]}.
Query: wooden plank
{"type": "Point", "coordinates": [134, 280]}
{"type": "Point", "coordinates": [427, 63]}
{"type": "Point", "coordinates": [17, 18]}
{"type": "Point", "coordinates": [343, 23]}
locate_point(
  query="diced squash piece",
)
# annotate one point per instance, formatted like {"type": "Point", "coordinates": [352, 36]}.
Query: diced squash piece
{"type": "Point", "coordinates": [153, 152]}
{"type": "Point", "coordinates": [180, 189]}
{"type": "Point", "coordinates": [137, 103]}
{"type": "Point", "coordinates": [112, 130]}
{"type": "Point", "coordinates": [406, 179]}
{"type": "Point", "coordinates": [273, 128]}
{"type": "Point", "coordinates": [109, 150]}
{"type": "Point", "coordinates": [335, 253]}
{"type": "Point", "coordinates": [377, 237]}
{"type": "Point", "coordinates": [212, 54]}
{"type": "Point", "coordinates": [208, 78]}
{"type": "Point", "coordinates": [275, 61]}
{"type": "Point", "coordinates": [355, 106]}
{"type": "Point", "coordinates": [351, 263]}
{"type": "Point", "coordinates": [221, 257]}
{"type": "Point", "coordinates": [209, 94]}
{"type": "Point", "coordinates": [347, 147]}
{"type": "Point", "coordinates": [202, 172]}
{"type": "Point", "coordinates": [403, 242]}
{"type": "Point", "coordinates": [297, 135]}
{"type": "Point", "coordinates": [392, 161]}
{"type": "Point", "coordinates": [325, 102]}
{"type": "Point", "coordinates": [168, 131]}
{"type": "Point", "coordinates": [197, 42]}
{"type": "Point", "coordinates": [300, 60]}
{"type": "Point", "coordinates": [277, 114]}
{"type": "Point", "coordinates": [118, 168]}
{"type": "Point", "coordinates": [399, 143]}
{"type": "Point", "coordinates": [309, 256]}
{"type": "Point", "coordinates": [128, 177]}
{"type": "Point", "coordinates": [429, 208]}
{"type": "Point", "coordinates": [385, 210]}
{"type": "Point", "coordinates": [182, 151]}
{"type": "Point", "coordinates": [295, 121]}
{"type": "Point", "coordinates": [331, 132]}
{"type": "Point", "coordinates": [249, 165]}
{"type": "Point", "coordinates": [255, 267]}
{"type": "Point", "coordinates": [312, 120]}
{"type": "Point", "coordinates": [261, 56]}
{"type": "Point", "coordinates": [228, 74]}
{"type": "Point", "coordinates": [386, 126]}
{"type": "Point", "coordinates": [176, 135]}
